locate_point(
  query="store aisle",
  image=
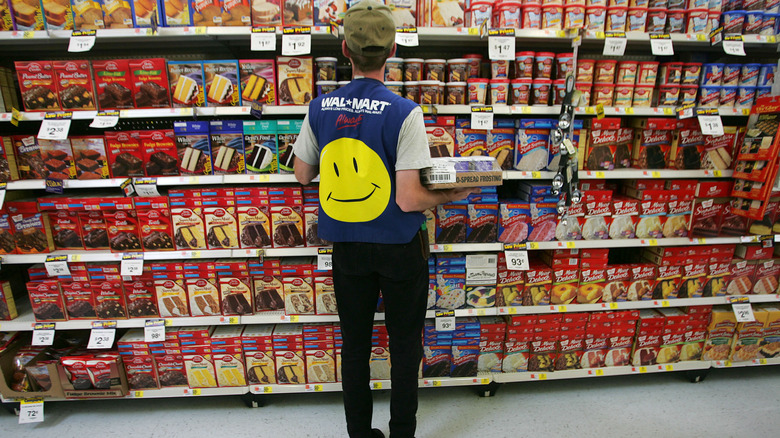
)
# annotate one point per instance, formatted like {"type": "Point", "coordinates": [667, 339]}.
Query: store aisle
{"type": "Point", "coordinates": [729, 403]}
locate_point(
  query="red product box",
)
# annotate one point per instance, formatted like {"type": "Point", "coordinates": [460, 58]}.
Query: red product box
{"type": "Point", "coordinates": [74, 85]}
{"type": "Point", "coordinates": [625, 206]}
{"type": "Point", "coordinates": [113, 84]}
{"type": "Point", "coordinates": [95, 233]}
{"type": "Point", "coordinates": [521, 320]}
{"type": "Point", "coordinates": [141, 372]}
{"type": "Point", "coordinates": [602, 149]}
{"type": "Point", "coordinates": [37, 84]}
{"type": "Point", "coordinates": [219, 215]}
{"type": "Point", "coordinates": [617, 282]}
{"type": "Point", "coordinates": [122, 227]}
{"type": "Point", "coordinates": [141, 299]}
{"type": "Point", "coordinates": [565, 283]}
{"type": "Point", "coordinates": [109, 299]}
{"type": "Point", "coordinates": [714, 189]}
{"type": "Point", "coordinates": [125, 154]}
{"type": "Point", "coordinates": [753, 251]}
{"type": "Point", "coordinates": [28, 157]}
{"type": "Point", "coordinates": [66, 229]}
{"type": "Point", "coordinates": [31, 229]}
{"type": "Point", "coordinates": [79, 301]}
{"type": "Point", "coordinates": [765, 279]}
{"type": "Point", "coordinates": [7, 244]}
{"type": "Point", "coordinates": [668, 282]}
{"type": "Point", "coordinates": [718, 275]}
{"type": "Point", "coordinates": [538, 283]}
{"type": "Point", "coordinates": [646, 184]}
{"type": "Point", "coordinates": [706, 218]}
{"type": "Point", "coordinates": [170, 368]}
{"type": "Point", "coordinates": [236, 295]}
{"type": "Point", "coordinates": [159, 152]}
{"type": "Point", "coordinates": [591, 288]}
{"type": "Point", "coordinates": [731, 223]}
{"type": "Point", "coordinates": [150, 83]}
{"type": "Point", "coordinates": [57, 156]}
{"type": "Point", "coordinates": [605, 123]}
{"type": "Point", "coordinates": [692, 282]}
{"type": "Point", "coordinates": [154, 223]}
{"type": "Point", "coordinates": [684, 185]}
{"type": "Point", "coordinates": [287, 226]}
{"type": "Point", "coordinates": [46, 300]}
{"type": "Point", "coordinates": [643, 277]}
{"type": "Point", "coordinates": [597, 202]}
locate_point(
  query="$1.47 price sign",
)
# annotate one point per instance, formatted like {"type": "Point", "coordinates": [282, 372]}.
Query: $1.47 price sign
{"type": "Point", "coordinates": [501, 44]}
{"type": "Point", "coordinates": [661, 45]}
{"type": "Point", "coordinates": [615, 45]}
{"type": "Point", "coordinates": [31, 411]}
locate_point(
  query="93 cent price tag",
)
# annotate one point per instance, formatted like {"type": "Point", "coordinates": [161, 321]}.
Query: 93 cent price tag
{"type": "Point", "coordinates": [661, 45]}
{"type": "Point", "coordinates": [445, 321]}
{"type": "Point", "coordinates": [293, 45]}
{"type": "Point", "coordinates": [743, 312]}
{"type": "Point", "coordinates": [54, 129]}
{"type": "Point", "coordinates": [516, 260]}
{"type": "Point", "coordinates": [615, 46]}
{"type": "Point", "coordinates": [154, 330]}
{"type": "Point", "coordinates": [711, 125]}
{"type": "Point", "coordinates": [31, 411]}
{"type": "Point", "coordinates": [263, 41]}
{"type": "Point", "coordinates": [325, 259]}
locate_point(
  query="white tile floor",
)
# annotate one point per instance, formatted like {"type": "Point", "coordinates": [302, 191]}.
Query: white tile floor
{"type": "Point", "coordinates": [729, 403]}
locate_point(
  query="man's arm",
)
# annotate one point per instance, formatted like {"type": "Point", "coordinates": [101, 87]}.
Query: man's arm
{"type": "Point", "coordinates": [305, 172]}
{"type": "Point", "coordinates": [306, 154]}
{"type": "Point", "coordinates": [411, 195]}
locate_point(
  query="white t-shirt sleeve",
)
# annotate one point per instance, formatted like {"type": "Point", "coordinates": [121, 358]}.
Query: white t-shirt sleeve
{"type": "Point", "coordinates": [305, 146]}
{"type": "Point", "coordinates": [413, 152]}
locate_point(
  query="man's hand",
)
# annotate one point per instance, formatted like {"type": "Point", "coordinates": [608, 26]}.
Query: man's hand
{"type": "Point", "coordinates": [411, 195]}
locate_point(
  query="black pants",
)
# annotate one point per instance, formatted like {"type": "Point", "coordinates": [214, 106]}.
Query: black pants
{"type": "Point", "coordinates": [400, 271]}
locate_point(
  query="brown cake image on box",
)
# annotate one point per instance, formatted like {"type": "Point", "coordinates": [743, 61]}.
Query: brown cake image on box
{"type": "Point", "coordinates": [40, 98]}
{"type": "Point", "coordinates": [76, 97]}
{"type": "Point", "coordinates": [268, 299]}
{"type": "Point", "coordinates": [254, 235]}
{"type": "Point", "coordinates": [296, 90]}
{"type": "Point", "coordinates": [142, 307]}
{"type": "Point", "coordinates": [115, 96]}
{"type": "Point", "coordinates": [31, 239]}
{"type": "Point", "coordinates": [236, 304]}
{"type": "Point", "coordinates": [158, 240]}
{"type": "Point", "coordinates": [287, 234]}
{"type": "Point", "coordinates": [81, 309]}
{"type": "Point", "coordinates": [96, 238]}
{"type": "Point", "coordinates": [124, 241]}
{"type": "Point", "coordinates": [110, 309]}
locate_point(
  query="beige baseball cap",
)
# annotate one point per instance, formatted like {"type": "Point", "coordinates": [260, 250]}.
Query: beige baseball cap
{"type": "Point", "coordinates": [369, 28]}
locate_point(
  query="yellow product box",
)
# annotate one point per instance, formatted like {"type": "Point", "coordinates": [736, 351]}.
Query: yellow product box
{"type": "Point", "coordinates": [200, 368]}
{"type": "Point", "coordinates": [229, 366]}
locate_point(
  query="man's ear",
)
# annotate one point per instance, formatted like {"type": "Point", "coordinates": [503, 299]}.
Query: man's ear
{"type": "Point", "coordinates": [392, 51]}
{"type": "Point", "coordinates": [344, 49]}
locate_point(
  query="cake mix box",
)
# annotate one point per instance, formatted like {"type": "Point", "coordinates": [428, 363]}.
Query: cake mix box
{"type": "Point", "coordinates": [260, 146]}
{"type": "Point", "coordinates": [198, 361]}
{"type": "Point", "coordinates": [706, 218]}
{"type": "Point", "coordinates": [688, 153]}
{"type": "Point", "coordinates": [296, 80]}
{"type": "Point", "coordinates": [592, 284]}
{"type": "Point", "coordinates": [602, 150]}
{"type": "Point", "coordinates": [544, 221]}
{"type": "Point", "coordinates": [188, 225]}
{"type": "Point", "coordinates": [500, 145]}
{"type": "Point", "coordinates": [117, 14]}
{"type": "Point", "coordinates": [667, 282]}
{"type": "Point", "coordinates": [532, 144]}
{"type": "Point", "coordinates": [144, 11]}
{"type": "Point", "coordinates": [266, 13]}
{"type": "Point", "coordinates": [109, 299]}
{"type": "Point", "coordinates": [328, 11]}
{"type": "Point", "coordinates": [186, 83]}
{"type": "Point", "coordinates": [57, 14]}
{"type": "Point", "coordinates": [94, 226]}
{"type": "Point", "coordinates": [236, 295]}
{"type": "Point", "coordinates": [765, 279]}
{"type": "Point", "coordinates": [74, 85]}
{"type": "Point", "coordinates": [692, 282]}
{"type": "Point", "coordinates": [203, 294]}
{"type": "Point", "coordinates": [742, 275]}
{"type": "Point", "coordinates": [469, 141]}
{"type": "Point", "coordinates": [46, 300]}
{"type": "Point", "coordinates": [269, 290]}
{"type": "Point", "coordinates": [311, 218]}
{"type": "Point", "coordinates": [154, 223]}
{"type": "Point", "coordinates": [78, 300]}
{"type": "Point", "coordinates": [227, 146]}
{"type": "Point", "coordinates": [482, 223]}
{"type": "Point", "coordinates": [176, 13]}
{"type": "Point", "coordinates": [286, 133]}
{"type": "Point", "coordinates": [652, 148]}
{"type": "Point", "coordinates": [451, 223]}
{"type": "Point", "coordinates": [7, 244]}
{"type": "Point", "coordinates": [206, 12]}
{"type": "Point", "coordinates": [141, 371]}
{"type": "Point", "coordinates": [125, 153]}
{"type": "Point", "coordinates": [324, 296]}
{"type": "Point", "coordinates": [287, 226]}
{"type": "Point", "coordinates": [87, 14]}
{"type": "Point", "coordinates": [297, 13]}
{"type": "Point", "coordinates": [113, 84]}
{"type": "Point", "coordinates": [718, 276]}
{"type": "Point", "coordinates": [718, 150]}
{"type": "Point", "coordinates": [441, 140]}
{"type": "Point", "coordinates": [193, 147]}
{"type": "Point", "coordinates": [221, 82]}
{"type": "Point", "coordinates": [171, 298]}
{"type": "Point", "coordinates": [513, 222]}
{"type": "Point", "coordinates": [27, 15]}
{"type": "Point", "coordinates": [57, 156]}
{"type": "Point", "coordinates": [38, 85]}
{"type": "Point", "coordinates": [320, 362]}
{"type": "Point", "coordinates": [254, 222]}
{"type": "Point", "coordinates": [221, 225]}
{"type": "Point", "coordinates": [150, 83]}
{"type": "Point", "coordinates": [90, 157]}
{"type": "Point", "coordinates": [643, 280]}
{"type": "Point", "coordinates": [258, 77]}
{"type": "Point", "coordinates": [159, 152]}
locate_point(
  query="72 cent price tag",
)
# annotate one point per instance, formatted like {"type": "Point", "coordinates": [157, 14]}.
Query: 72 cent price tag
{"type": "Point", "coordinates": [445, 321]}
{"type": "Point", "coordinates": [263, 39]}
{"type": "Point", "coordinates": [132, 265]}
{"type": "Point", "coordinates": [154, 330]}
{"type": "Point", "coordinates": [743, 312]}
{"type": "Point", "coordinates": [516, 260]}
{"type": "Point", "coordinates": [54, 129]}
{"type": "Point", "coordinates": [81, 41]}
{"type": "Point", "coordinates": [661, 45]}
{"type": "Point", "coordinates": [711, 125]}
{"type": "Point", "coordinates": [733, 45]}
{"type": "Point", "coordinates": [43, 334]}
{"type": "Point", "coordinates": [615, 45]}
{"type": "Point", "coordinates": [501, 44]}
{"type": "Point", "coordinates": [31, 411]}
{"type": "Point", "coordinates": [324, 259]}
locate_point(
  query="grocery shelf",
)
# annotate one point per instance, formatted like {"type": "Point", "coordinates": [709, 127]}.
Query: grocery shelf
{"type": "Point", "coordinates": [470, 247]}
{"type": "Point", "coordinates": [749, 363]}
{"type": "Point", "coordinates": [688, 38]}
{"type": "Point", "coordinates": [279, 316]}
{"type": "Point", "coordinates": [653, 174]}
{"type": "Point", "coordinates": [532, 376]}
{"type": "Point", "coordinates": [292, 389]}
{"type": "Point", "coordinates": [186, 392]}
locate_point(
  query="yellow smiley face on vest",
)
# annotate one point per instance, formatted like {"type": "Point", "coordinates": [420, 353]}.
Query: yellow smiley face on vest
{"type": "Point", "coordinates": [354, 183]}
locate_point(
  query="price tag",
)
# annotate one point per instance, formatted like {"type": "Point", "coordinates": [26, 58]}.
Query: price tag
{"type": "Point", "coordinates": [615, 44]}
{"type": "Point", "coordinates": [54, 185]}
{"type": "Point", "coordinates": [137, 394]}
{"type": "Point", "coordinates": [759, 362]}
{"type": "Point", "coordinates": [31, 411]}
{"type": "Point", "coordinates": [445, 321]}
{"type": "Point", "coordinates": [145, 187]}
{"type": "Point", "coordinates": [54, 129]}
{"type": "Point", "coordinates": [101, 338]}
{"type": "Point", "coordinates": [376, 385]}
{"type": "Point", "coordinates": [661, 45]}
{"type": "Point", "coordinates": [733, 45]}
{"type": "Point", "coordinates": [312, 388]}
{"type": "Point", "coordinates": [652, 242]}
{"type": "Point", "coordinates": [154, 330]}
{"type": "Point", "coordinates": [3, 187]}
{"type": "Point", "coordinates": [516, 260]}
{"type": "Point", "coordinates": [194, 391]}
{"type": "Point", "coordinates": [571, 244]}
{"type": "Point", "coordinates": [743, 312]}
{"type": "Point", "coordinates": [533, 245]}
{"type": "Point", "coordinates": [43, 334]}
{"type": "Point", "coordinates": [669, 367]}
{"type": "Point", "coordinates": [57, 266]}
{"type": "Point", "coordinates": [686, 112]}
{"type": "Point", "coordinates": [614, 306]}
{"type": "Point", "coordinates": [501, 45]}
{"type": "Point", "coordinates": [263, 39]}
{"type": "Point", "coordinates": [407, 36]}
{"type": "Point", "coordinates": [482, 117]}
{"type": "Point", "coordinates": [81, 41]}
{"type": "Point", "coordinates": [324, 259]}
{"type": "Point", "coordinates": [105, 119]}
{"type": "Point", "coordinates": [716, 36]}
{"type": "Point", "coordinates": [132, 265]}
{"type": "Point", "coordinates": [296, 41]}
{"type": "Point", "coordinates": [233, 320]}
{"type": "Point", "coordinates": [600, 111]}
{"type": "Point", "coordinates": [711, 125]}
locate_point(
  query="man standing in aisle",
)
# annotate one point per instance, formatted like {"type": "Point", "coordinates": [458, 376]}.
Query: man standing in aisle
{"type": "Point", "coordinates": [368, 146]}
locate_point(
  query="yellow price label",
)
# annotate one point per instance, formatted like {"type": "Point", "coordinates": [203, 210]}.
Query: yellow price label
{"type": "Point", "coordinates": [200, 30]}
{"type": "Point", "coordinates": [536, 175]}
{"type": "Point", "coordinates": [511, 311]}
{"type": "Point", "coordinates": [600, 111]}
{"type": "Point", "coordinates": [376, 385]}
{"type": "Point", "coordinates": [543, 376]}
{"type": "Point", "coordinates": [28, 34]}
{"type": "Point", "coordinates": [701, 37]}
{"type": "Point", "coordinates": [600, 174]}
{"type": "Point", "coordinates": [762, 361]}
{"type": "Point", "coordinates": [745, 111]}
{"type": "Point", "coordinates": [317, 388]}
{"type": "Point", "coordinates": [727, 363]}
{"type": "Point", "coordinates": [138, 394]}
{"type": "Point", "coordinates": [717, 173]}
{"type": "Point", "coordinates": [771, 39]}
{"type": "Point", "coordinates": [561, 34]}
{"type": "Point", "coordinates": [599, 372]}
{"type": "Point", "coordinates": [571, 244]}
{"type": "Point", "coordinates": [196, 254]}
{"type": "Point", "coordinates": [668, 111]}
{"type": "Point", "coordinates": [525, 110]}
{"type": "Point", "coordinates": [481, 312]}
{"type": "Point", "coordinates": [629, 111]}
{"type": "Point", "coordinates": [590, 110]}
{"type": "Point", "coordinates": [473, 31]}
{"type": "Point", "coordinates": [533, 245]}
{"type": "Point", "coordinates": [701, 241]}
{"type": "Point", "coordinates": [196, 391]}
{"type": "Point", "coordinates": [484, 381]}
{"type": "Point", "coordinates": [664, 303]}
{"type": "Point", "coordinates": [655, 174]}
{"type": "Point", "coordinates": [436, 383]}
{"type": "Point", "coordinates": [233, 320]}
{"type": "Point", "coordinates": [600, 35]}
{"type": "Point", "coordinates": [670, 368]}
{"type": "Point", "coordinates": [652, 242]}
{"type": "Point", "coordinates": [613, 305]}
{"type": "Point", "coordinates": [193, 180]}
{"type": "Point", "coordinates": [562, 308]}
{"type": "Point", "coordinates": [264, 178]}
{"type": "Point", "coordinates": [268, 389]}
{"type": "Point", "coordinates": [294, 318]}
{"type": "Point", "coordinates": [74, 258]}
{"type": "Point", "coordinates": [642, 369]}
{"type": "Point", "coordinates": [447, 247]}
{"type": "Point", "coordinates": [168, 322]}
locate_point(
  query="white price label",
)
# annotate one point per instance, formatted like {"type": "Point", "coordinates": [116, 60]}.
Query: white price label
{"type": "Point", "coordinates": [146, 187]}
{"type": "Point", "coordinates": [445, 321]}
{"type": "Point", "coordinates": [743, 312]}
{"type": "Point", "coordinates": [101, 338]}
{"type": "Point", "coordinates": [736, 48]}
{"type": "Point", "coordinates": [685, 113]}
{"type": "Point", "coordinates": [81, 43]}
{"type": "Point", "coordinates": [408, 39]}
{"type": "Point", "coordinates": [43, 337]}
{"type": "Point", "coordinates": [615, 46]}
{"type": "Point", "coordinates": [324, 262]}
{"type": "Point", "coordinates": [57, 268]}
{"type": "Point", "coordinates": [31, 411]}
{"type": "Point", "coordinates": [102, 122]}
{"type": "Point", "coordinates": [482, 120]}
{"type": "Point", "coordinates": [293, 45]}
{"type": "Point", "coordinates": [154, 330]}
{"type": "Point", "coordinates": [661, 47]}
{"type": "Point", "coordinates": [54, 129]}
{"type": "Point", "coordinates": [516, 260]}
{"type": "Point", "coordinates": [132, 267]}
{"type": "Point", "coordinates": [711, 125]}
{"type": "Point", "coordinates": [263, 42]}
{"type": "Point", "coordinates": [501, 48]}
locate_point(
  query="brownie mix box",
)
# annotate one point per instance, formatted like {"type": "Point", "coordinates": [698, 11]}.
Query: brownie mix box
{"type": "Point", "coordinates": [159, 152]}
{"type": "Point", "coordinates": [227, 146]}
{"type": "Point", "coordinates": [74, 85]}
{"type": "Point", "coordinates": [37, 85]}
{"type": "Point", "coordinates": [221, 82]}
{"type": "Point", "coordinates": [186, 83]}
{"type": "Point", "coordinates": [109, 299]}
{"type": "Point", "coordinates": [141, 298]}
{"type": "Point", "coordinates": [221, 225]}
{"type": "Point", "coordinates": [602, 149]}
{"type": "Point", "coordinates": [122, 227]}
{"type": "Point", "coordinates": [260, 146]}
{"type": "Point", "coordinates": [31, 228]}
{"type": "Point", "coordinates": [66, 229]}
{"type": "Point", "coordinates": [125, 153]}
{"type": "Point", "coordinates": [150, 83]}
{"type": "Point", "coordinates": [154, 223]}
{"type": "Point", "coordinates": [258, 80]}
{"type": "Point", "coordinates": [296, 80]}
{"type": "Point", "coordinates": [188, 224]}
{"type": "Point", "coordinates": [46, 300]}
{"type": "Point", "coordinates": [193, 147]}
{"type": "Point", "coordinates": [94, 228]}
{"type": "Point", "coordinates": [78, 300]}
{"type": "Point", "coordinates": [57, 156]}
{"type": "Point", "coordinates": [90, 157]}
{"type": "Point", "coordinates": [7, 243]}
{"type": "Point", "coordinates": [113, 84]}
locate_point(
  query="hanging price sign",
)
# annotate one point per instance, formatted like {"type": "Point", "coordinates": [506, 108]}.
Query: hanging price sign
{"type": "Point", "coordinates": [445, 321]}
{"type": "Point", "coordinates": [57, 266]}
{"type": "Point", "coordinates": [55, 126]}
{"type": "Point", "coordinates": [407, 36]}
{"type": "Point", "coordinates": [710, 122]}
{"type": "Point", "coordinates": [516, 259]}
{"type": "Point", "coordinates": [734, 45]}
{"type": "Point", "coordinates": [54, 185]}
{"type": "Point", "coordinates": [481, 117]}
{"type": "Point", "coordinates": [296, 41]}
{"type": "Point", "coordinates": [263, 39]}
{"type": "Point", "coordinates": [615, 44]}
{"type": "Point", "coordinates": [82, 41]}
{"type": "Point", "coordinates": [743, 312]}
{"type": "Point", "coordinates": [31, 411]}
{"type": "Point", "coordinates": [145, 187]}
{"type": "Point", "coordinates": [716, 36]}
{"type": "Point", "coordinates": [132, 265]}
{"type": "Point", "coordinates": [102, 335]}
{"type": "Point", "coordinates": [43, 334]}
{"type": "Point", "coordinates": [154, 330]}
{"type": "Point", "coordinates": [105, 119]}
{"type": "Point", "coordinates": [325, 259]}
{"type": "Point", "coordinates": [501, 45]}
{"type": "Point", "coordinates": [661, 45]}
